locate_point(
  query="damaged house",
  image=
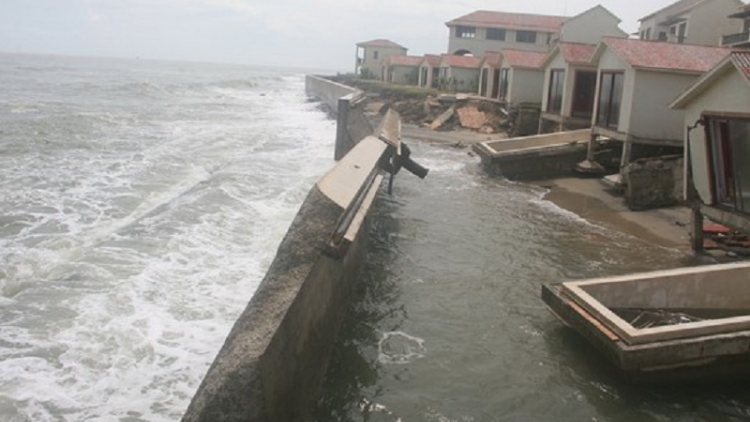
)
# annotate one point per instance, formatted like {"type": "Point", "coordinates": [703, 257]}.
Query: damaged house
{"type": "Point", "coordinates": [717, 138]}
{"type": "Point", "coordinates": [636, 82]}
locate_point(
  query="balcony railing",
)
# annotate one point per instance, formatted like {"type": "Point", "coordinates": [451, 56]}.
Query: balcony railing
{"type": "Point", "coordinates": [734, 39]}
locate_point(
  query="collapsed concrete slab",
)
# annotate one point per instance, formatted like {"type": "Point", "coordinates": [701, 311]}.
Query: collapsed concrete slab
{"type": "Point", "coordinates": [677, 323]}
{"type": "Point", "coordinates": [534, 157]}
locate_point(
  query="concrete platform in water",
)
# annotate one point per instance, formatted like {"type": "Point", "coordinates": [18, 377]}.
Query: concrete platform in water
{"type": "Point", "coordinates": [674, 324]}
{"type": "Point", "coordinates": [534, 157]}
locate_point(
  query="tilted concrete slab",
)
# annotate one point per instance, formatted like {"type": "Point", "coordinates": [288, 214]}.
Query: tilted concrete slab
{"type": "Point", "coordinates": [711, 290]}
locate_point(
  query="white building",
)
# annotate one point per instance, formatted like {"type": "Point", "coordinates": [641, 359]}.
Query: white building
{"type": "Point", "coordinates": [702, 22]}
{"type": "Point", "coordinates": [370, 56]}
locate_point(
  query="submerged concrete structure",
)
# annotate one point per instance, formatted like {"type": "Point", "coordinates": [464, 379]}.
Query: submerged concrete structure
{"type": "Point", "coordinates": [676, 323]}
{"type": "Point", "coordinates": [534, 157]}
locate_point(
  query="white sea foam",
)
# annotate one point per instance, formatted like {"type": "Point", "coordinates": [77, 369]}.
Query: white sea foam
{"type": "Point", "coordinates": [136, 227]}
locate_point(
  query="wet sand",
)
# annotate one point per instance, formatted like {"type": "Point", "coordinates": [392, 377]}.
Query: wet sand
{"type": "Point", "coordinates": [588, 197]}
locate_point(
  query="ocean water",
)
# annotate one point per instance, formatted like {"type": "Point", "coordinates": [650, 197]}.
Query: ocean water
{"type": "Point", "coordinates": [448, 325]}
{"type": "Point", "coordinates": [140, 205]}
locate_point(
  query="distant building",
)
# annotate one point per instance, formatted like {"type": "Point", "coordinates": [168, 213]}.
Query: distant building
{"type": "Point", "coordinates": [739, 39]}
{"type": "Point", "coordinates": [701, 22]}
{"type": "Point", "coordinates": [459, 73]}
{"type": "Point", "coordinates": [402, 70]}
{"type": "Point", "coordinates": [370, 56]}
{"type": "Point", "coordinates": [429, 71]}
{"type": "Point", "coordinates": [489, 77]}
{"type": "Point", "coordinates": [483, 31]}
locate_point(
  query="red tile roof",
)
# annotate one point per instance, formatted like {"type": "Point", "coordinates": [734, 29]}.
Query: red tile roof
{"type": "Point", "coordinates": [486, 18]}
{"type": "Point", "coordinates": [431, 60]}
{"type": "Point", "coordinates": [404, 60]}
{"type": "Point", "coordinates": [656, 55]}
{"type": "Point", "coordinates": [577, 53]}
{"type": "Point", "coordinates": [741, 60]}
{"type": "Point", "coordinates": [469, 62]}
{"type": "Point", "coordinates": [492, 58]}
{"type": "Point", "coordinates": [524, 59]}
{"type": "Point", "coordinates": [380, 43]}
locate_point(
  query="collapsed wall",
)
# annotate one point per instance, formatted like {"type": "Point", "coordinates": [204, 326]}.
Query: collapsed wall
{"type": "Point", "coordinates": [273, 361]}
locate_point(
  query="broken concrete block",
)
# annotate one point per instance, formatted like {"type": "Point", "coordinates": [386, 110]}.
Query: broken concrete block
{"type": "Point", "coordinates": [442, 118]}
{"type": "Point", "coordinates": [471, 118]}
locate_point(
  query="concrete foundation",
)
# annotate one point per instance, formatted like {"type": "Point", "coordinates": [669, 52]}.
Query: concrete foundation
{"type": "Point", "coordinates": [653, 182]}
{"type": "Point", "coordinates": [534, 157]}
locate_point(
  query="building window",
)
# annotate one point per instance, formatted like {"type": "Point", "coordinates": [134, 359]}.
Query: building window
{"type": "Point", "coordinates": [496, 34]}
{"type": "Point", "coordinates": [556, 83]}
{"type": "Point", "coordinates": [662, 36]}
{"type": "Point", "coordinates": [466, 32]}
{"type": "Point", "coordinates": [526, 37]}
{"type": "Point", "coordinates": [610, 99]}
{"type": "Point", "coordinates": [375, 55]}
{"type": "Point", "coordinates": [504, 80]}
{"type": "Point", "coordinates": [727, 146]}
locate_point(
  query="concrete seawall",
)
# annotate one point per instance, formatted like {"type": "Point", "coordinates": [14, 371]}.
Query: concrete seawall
{"type": "Point", "coordinates": [351, 123]}
{"type": "Point", "coordinates": [273, 361]}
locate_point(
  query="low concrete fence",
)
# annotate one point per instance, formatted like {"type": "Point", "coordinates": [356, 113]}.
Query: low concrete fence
{"type": "Point", "coordinates": [274, 359]}
{"type": "Point", "coordinates": [327, 91]}
{"type": "Point", "coordinates": [351, 123]}
{"type": "Point", "coordinates": [534, 157]}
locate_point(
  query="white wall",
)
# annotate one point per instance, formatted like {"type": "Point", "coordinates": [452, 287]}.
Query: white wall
{"type": "Point", "coordinates": [526, 86]}
{"type": "Point", "coordinates": [404, 75]}
{"type": "Point", "coordinates": [591, 26]}
{"type": "Point", "coordinates": [651, 116]}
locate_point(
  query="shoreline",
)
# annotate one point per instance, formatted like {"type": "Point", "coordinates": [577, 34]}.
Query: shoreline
{"type": "Point", "coordinates": [588, 198]}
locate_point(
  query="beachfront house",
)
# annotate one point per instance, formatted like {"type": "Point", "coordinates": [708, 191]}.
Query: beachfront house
{"type": "Point", "coordinates": [402, 70]}
{"type": "Point", "coordinates": [429, 70]}
{"type": "Point", "coordinates": [370, 56]}
{"type": "Point", "coordinates": [521, 77]}
{"type": "Point", "coordinates": [489, 76]}
{"type": "Point", "coordinates": [590, 26]}
{"type": "Point", "coordinates": [482, 31]}
{"type": "Point", "coordinates": [637, 80]}
{"type": "Point", "coordinates": [569, 87]}
{"type": "Point", "coordinates": [459, 73]}
{"type": "Point", "coordinates": [702, 22]}
{"type": "Point", "coordinates": [717, 138]}
{"type": "Point", "coordinates": [739, 39]}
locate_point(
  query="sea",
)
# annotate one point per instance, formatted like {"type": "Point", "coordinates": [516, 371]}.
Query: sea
{"type": "Point", "coordinates": [142, 201]}
{"type": "Point", "coordinates": [140, 205]}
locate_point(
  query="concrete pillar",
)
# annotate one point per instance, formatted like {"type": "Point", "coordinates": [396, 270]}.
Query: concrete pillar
{"type": "Point", "coordinates": [627, 148]}
{"type": "Point", "coordinates": [696, 227]}
{"type": "Point", "coordinates": [592, 146]}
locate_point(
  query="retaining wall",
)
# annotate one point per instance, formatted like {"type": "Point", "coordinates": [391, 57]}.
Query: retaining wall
{"type": "Point", "coordinates": [273, 361]}
{"type": "Point", "coordinates": [351, 123]}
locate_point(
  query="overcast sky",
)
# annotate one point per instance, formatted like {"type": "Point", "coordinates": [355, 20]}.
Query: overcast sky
{"type": "Point", "coordinates": [290, 33]}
